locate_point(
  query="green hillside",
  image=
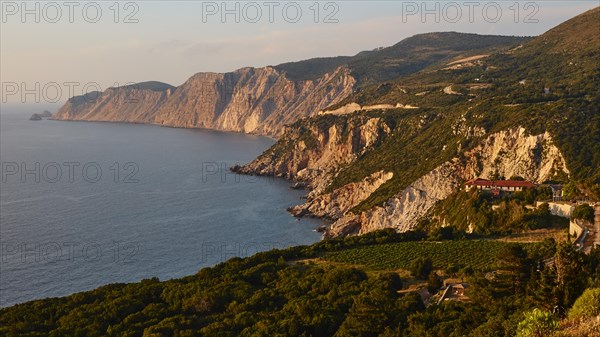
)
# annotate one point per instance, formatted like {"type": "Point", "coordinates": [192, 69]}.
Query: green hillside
{"type": "Point", "coordinates": [548, 84]}
{"type": "Point", "coordinates": [406, 57]}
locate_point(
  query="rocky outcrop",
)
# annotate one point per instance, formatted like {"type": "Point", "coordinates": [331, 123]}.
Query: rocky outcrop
{"type": "Point", "coordinates": [315, 156]}
{"type": "Point", "coordinates": [354, 107]}
{"type": "Point", "coordinates": [264, 100]}
{"type": "Point", "coordinates": [404, 210]}
{"type": "Point", "coordinates": [250, 100]}
{"type": "Point", "coordinates": [311, 155]}
{"type": "Point", "coordinates": [509, 153]}
{"type": "Point", "coordinates": [40, 116]}
{"type": "Point", "coordinates": [336, 204]}
{"type": "Point", "coordinates": [515, 153]}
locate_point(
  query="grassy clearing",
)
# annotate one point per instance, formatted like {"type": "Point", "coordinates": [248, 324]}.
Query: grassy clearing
{"type": "Point", "coordinates": [539, 235]}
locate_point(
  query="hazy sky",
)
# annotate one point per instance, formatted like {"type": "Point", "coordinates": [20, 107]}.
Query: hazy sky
{"type": "Point", "coordinates": [171, 40]}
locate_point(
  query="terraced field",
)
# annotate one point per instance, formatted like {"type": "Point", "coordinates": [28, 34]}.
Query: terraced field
{"type": "Point", "coordinates": [479, 255]}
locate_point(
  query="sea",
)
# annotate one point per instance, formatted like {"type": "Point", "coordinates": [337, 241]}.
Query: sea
{"type": "Point", "coordinates": [85, 204]}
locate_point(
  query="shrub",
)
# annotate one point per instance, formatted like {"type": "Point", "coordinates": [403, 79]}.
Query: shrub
{"type": "Point", "coordinates": [537, 323]}
{"type": "Point", "coordinates": [587, 305]}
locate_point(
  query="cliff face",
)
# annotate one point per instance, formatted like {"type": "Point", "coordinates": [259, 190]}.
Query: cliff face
{"type": "Point", "coordinates": [132, 104]}
{"type": "Point", "coordinates": [312, 155]}
{"type": "Point", "coordinates": [509, 152]}
{"type": "Point", "coordinates": [264, 100]}
{"type": "Point", "coordinates": [336, 204]}
{"type": "Point", "coordinates": [250, 100]}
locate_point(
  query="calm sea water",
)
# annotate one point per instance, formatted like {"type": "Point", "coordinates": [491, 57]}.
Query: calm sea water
{"type": "Point", "coordinates": [87, 204]}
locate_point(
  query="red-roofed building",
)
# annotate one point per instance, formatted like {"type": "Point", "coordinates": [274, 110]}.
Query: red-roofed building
{"type": "Point", "coordinates": [497, 186]}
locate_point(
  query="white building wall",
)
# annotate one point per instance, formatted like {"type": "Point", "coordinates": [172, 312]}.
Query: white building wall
{"type": "Point", "coordinates": [564, 210]}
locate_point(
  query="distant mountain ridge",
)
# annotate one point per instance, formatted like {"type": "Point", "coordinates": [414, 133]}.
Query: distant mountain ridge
{"type": "Point", "coordinates": [264, 100]}
{"type": "Point", "coordinates": [150, 85]}
{"type": "Point", "coordinates": [407, 56]}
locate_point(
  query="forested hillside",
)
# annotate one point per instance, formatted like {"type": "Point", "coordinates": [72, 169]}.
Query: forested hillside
{"type": "Point", "coordinates": [298, 292]}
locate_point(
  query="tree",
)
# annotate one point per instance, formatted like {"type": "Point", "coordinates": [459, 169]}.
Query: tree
{"type": "Point", "coordinates": [467, 271]}
{"type": "Point", "coordinates": [570, 191]}
{"type": "Point", "coordinates": [543, 210]}
{"type": "Point", "coordinates": [434, 282]}
{"type": "Point", "coordinates": [537, 323]}
{"type": "Point", "coordinates": [544, 193]}
{"type": "Point", "coordinates": [443, 233]}
{"type": "Point", "coordinates": [543, 288]}
{"type": "Point", "coordinates": [571, 274]}
{"type": "Point", "coordinates": [583, 212]}
{"type": "Point", "coordinates": [421, 267]}
{"type": "Point", "coordinates": [515, 267]}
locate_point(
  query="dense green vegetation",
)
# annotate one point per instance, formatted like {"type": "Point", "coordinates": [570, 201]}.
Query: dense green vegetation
{"type": "Point", "coordinates": [584, 212]}
{"type": "Point", "coordinates": [481, 213]}
{"type": "Point", "coordinates": [586, 306]}
{"type": "Point", "coordinates": [280, 293]}
{"type": "Point", "coordinates": [537, 323]}
{"type": "Point", "coordinates": [421, 267]}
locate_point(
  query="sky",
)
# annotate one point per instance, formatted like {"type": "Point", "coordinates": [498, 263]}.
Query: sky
{"type": "Point", "coordinates": [50, 51]}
